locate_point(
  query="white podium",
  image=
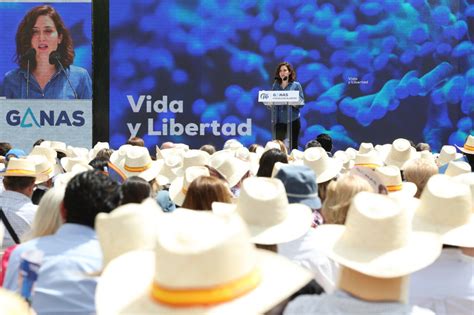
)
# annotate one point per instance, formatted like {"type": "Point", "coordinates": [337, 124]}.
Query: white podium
{"type": "Point", "coordinates": [281, 98]}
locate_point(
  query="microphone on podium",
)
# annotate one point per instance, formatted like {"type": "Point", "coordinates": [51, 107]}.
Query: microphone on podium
{"type": "Point", "coordinates": [30, 54]}
{"type": "Point", "coordinates": [54, 58]}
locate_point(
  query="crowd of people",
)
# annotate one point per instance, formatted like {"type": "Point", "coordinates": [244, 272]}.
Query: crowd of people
{"type": "Point", "coordinates": [379, 229]}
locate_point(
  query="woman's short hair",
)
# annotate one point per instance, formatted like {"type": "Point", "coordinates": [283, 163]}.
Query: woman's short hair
{"type": "Point", "coordinates": [339, 195]}
{"type": "Point", "coordinates": [205, 190]}
{"type": "Point", "coordinates": [268, 160]}
{"type": "Point", "coordinates": [209, 148]}
{"type": "Point", "coordinates": [419, 171]}
{"type": "Point", "coordinates": [48, 217]}
{"type": "Point", "coordinates": [135, 189]}
{"type": "Point", "coordinates": [24, 35]}
{"type": "Point", "coordinates": [292, 76]}
{"type": "Point", "coordinates": [136, 141]}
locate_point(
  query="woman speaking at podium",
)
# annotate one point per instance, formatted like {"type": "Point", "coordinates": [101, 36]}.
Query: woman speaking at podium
{"type": "Point", "coordinates": [45, 53]}
{"type": "Point", "coordinates": [285, 80]}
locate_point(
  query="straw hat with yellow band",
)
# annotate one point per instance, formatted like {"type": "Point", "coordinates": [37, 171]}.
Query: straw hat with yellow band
{"type": "Point", "coordinates": [468, 147]}
{"type": "Point", "coordinates": [179, 186]}
{"type": "Point", "coordinates": [391, 178]}
{"type": "Point", "coordinates": [371, 159]}
{"type": "Point", "coordinates": [202, 264]}
{"type": "Point", "coordinates": [45, 167]}
{"type": "Point", "coordinates": [137, 162]}
{"type": "Point", "coordinates": [23, 168]}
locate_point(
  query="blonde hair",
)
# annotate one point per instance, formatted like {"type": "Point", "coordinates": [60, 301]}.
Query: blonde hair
{"type": "Point", "coordinates": [13, 304]}
{"type": "Point", "coordinates": [339, 195]}
{"type": "Point", "coordinates": [48, 217]}
{"type": "Point", "coordinates": [419, 171]}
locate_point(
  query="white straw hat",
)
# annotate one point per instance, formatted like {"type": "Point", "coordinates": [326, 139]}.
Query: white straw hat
{"type": "Point", "coordinates": [457, 167]}
{"type": "Point", "coordinates": [97, 147]}
{"type": "Point", "coordinates": [264, 206]}
{"type": "Point", "coordinates": [202, 264]}
{"type": "Point", "coordinates": [233, 170]}
{"type": "Point", "coordinates": [366, 147]}
{"type": "Point", "coordinates": [467, 179]}
{"type": "Point", "coordinates": [171, 164]}
{"type": "Point", "coordinates": [447, 153]}
{"type": "Point", "coordinates": [468, 147]}
{"type": "Point", "coordinates": [118, 155]}
{"type": "Point", "coordinates": [47, 152]}
{"type": "Point", "coordinates": [68, 162]}
{"type": "Point", "coordinates": [391, 178]}
{"type": "Point", "coordinates": [400, 152]}
{"type": "Point", "coordinates": [23, 168]}
{"type": "Point", "coordinates": [129, 227]}
{"type": "Point", "coordinates": [43, 166]}
{"type": "Point", "coordinates": [325, 167]}
{"type": "Point", "coordinates": [377, 239]}
{"type": "Point", "coordinates": [179, 186]}
{"type": "Point", "coordinates": [137, 162]}
{"type": "Point", "coordinates": [369, 159]}
{"type": "Point", "coordinates": [193, 158]}
{"type": "Point", "coordinates": [446, 208]}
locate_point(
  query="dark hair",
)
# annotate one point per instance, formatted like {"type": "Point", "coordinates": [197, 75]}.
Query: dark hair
{"type": "Point", "coordinates": [312, 144]}
{"type": "Point", "coordinates": [204, 190]}
{"type": "Point", "coordinates": [104, 154]}
{"type": "Point", "coordinates": [17, 183]}
{"type": "Point", "coordinates": [4, 148]}
{"type": "Point", "coordinates": [470, 159]}
{"type": "Point", "coordinates": [209, 148]}
{"type": "Point", "coordinates": [24, 35]}
{"type": "Point", "coordinates": [38, 142]}
{"type": "Point", "coordinates": [292, 76]}
{"type": "Point", "coordinates": [268, 160]}
{"type": "Point", "coordinates": [136, 141]}
{"type": "Point", "coordinates": [253, 147]}
{"type": "Point", "coordinates": [99, 164]}
{"type": "Point", "coordinates": [326, 141]}
{"type": "Point", "coordinates": [134, 190]}
{"type": "Point", "coordinates": [89, 193]}
{"type": "Point", "coordinates": [422, 146]}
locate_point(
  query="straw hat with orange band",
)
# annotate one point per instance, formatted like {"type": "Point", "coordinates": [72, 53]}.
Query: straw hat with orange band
{"type": "Point", "coordinates": [137, 162]}
{"type": "Point", "coordinates": [203, 263]}
{"type": "Point", "coordinates": [468, 147]}
{"type": "Point", "coordinates": [391, 177]}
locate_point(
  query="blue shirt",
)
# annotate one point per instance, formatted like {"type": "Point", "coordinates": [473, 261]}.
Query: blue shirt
{"type": "Point", "coordinates": [14, 85]}
{"type": "Point", "coordinates": [66, 284]}
{"type": "Point", "coordinates": [282, 111]}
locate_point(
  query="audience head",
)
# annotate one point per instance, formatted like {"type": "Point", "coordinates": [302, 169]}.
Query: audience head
{"type": "Point", "coordinates": [87, 194]}
{"type": "Point", "coordinates": [20, 176]}
{"type": "Point", "coordinates": [326, 141]}
{"type": "Point", "coordinates": [339, 196]}
{"type": "Point", "coordinates": [4, 148]}
{"type": "Point", "coordinates": [312, 144]}
{"type": "Point", "coordinates": [268, 160]}
{"type": "Point", "coordinates": [104, 154]}
{"type": "Point", "coordinates": [209, 148]}
{"type": "Point", "coordinates": [136, 141]}
{"type": "Point", "coordinates": [419, 171]}
{"type": "Point", "coordinates": [205, 190]}
{"type": "Point", "coordinates": [255, 147]}
{"type": "Point", "coordinates": [99, 164]}
{"type": "Point", "coordinates": [134, 190]}
{"type": "Point", "coordinates": [422, 146]}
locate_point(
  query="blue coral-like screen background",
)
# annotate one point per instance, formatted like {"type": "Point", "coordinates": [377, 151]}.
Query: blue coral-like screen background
{"type": "Point", "coordinates": [371, 70]}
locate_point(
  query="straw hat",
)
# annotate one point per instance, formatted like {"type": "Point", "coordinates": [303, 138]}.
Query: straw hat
{"type": "Point", "coordinates": [219, 157]}
{"type": "Point", "coordinates": [447, 153]}
{"type": "Point", "coordinates": [467, 179]}
{"type": "Point", "coordinates": [446, 208]}
{"type": "Point", "coordinates": [457, 167]}
{"type": "Point", "coordinates": [300, 184]}
{"type": "Point", "coordinates": [137, 162]}
{"type": "Point", "coordinates": [370, 159]}
{"type": "Point", "coordinates": [47, 152]}
{"type": "Point", "coordinates": [325, 167]}
{"type": "Point", "coordinates": [377, 239]}
{"type": "Point", "coordinates": [78, 152]}
{"type": "Point", "coordinates": [193, 158]}
{"type": "Point", "coordinates": [366, 147]}
{"type": "Point", "coordinates": [163, 153]}
{"type": "Point", "coordinates": [400, 152]}
{"type": "Point", "coordinates": [264, 207]}
{"type": "Point", "coordinates": [391, 178]}
{"type": "Point", "coordinates": [23, 168]}
{"type": "Point", "coordinates": [45, 167]}
{"type": "Point", "coordinates": [202, 264]}
{"type": "Point", "coordinates": [58, 146]}
{"type": "Point", "coordinates": [171, 164]}
{"type": "Point", "coordinates": [383, 150]}
{"type": "Point", "coordinates": [179, 186]}
{"type": "Point", "coordinates": [118, 155]}
{"type": "Point", "coordinates": [271, 145]}
{"type": "Point", "coordinates": [233, 170]}
{"type": "Point", "coordinates": [296, 155]}
{"type": "Point", "coordinates": [468, 147]}
{"type": "Point", "coordinates": [232, 145]}
{"type": "Point", "coordinates": [129, 227]}
{"type": "Point", "coordinates": [345, 159]}
{"type": "Point", "coordinates": [68, 162]}
{"type": "Point", "coordinates": [64, 178]}
{"type": "Point", "coordinates": [97, 147]}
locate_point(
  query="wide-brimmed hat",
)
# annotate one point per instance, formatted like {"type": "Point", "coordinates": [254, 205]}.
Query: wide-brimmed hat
{"type": "Point", "coordinates": [447, 153]}
{"type": "Point", "coordinates": [219, 157]}
{"type": "Point", "coordinates": [179, 186]}
{"type": "Point", "coordinates": [300, 184]}
{"type": "Point", "coordinates": [400, 152]}
{"type": "Point", "coordinates": [369, 159]}
{"type": "Point", "coordinates": [345, 159]}
{"type": "Point", "coordinates": [468, 147]}
{"type": "Point", "coordinates": [271, 145]}
{"type": "Point", "coordinates": [366, 147]}
{"type": "Point", "coordinates": [163, 153]}
{"type": "Point", "coordinates": [78, 152]}
{"type": "Point", "coordinates": [325, 167]}
{"type": "Point", "coordinates": [129, 227]}
{"type": "Point", "coordinates": [45, 167]}
{"type": "Point", "coordinates": [467, 179]}
{"type": "Point", "coordinates": [202, 264]}
{"type": "Point", "coordinates": [391, 178]}
{"type": "Point", "coordinates": [68, 162]}
{"type": "Point", "coordinates": [193, 158]}
{"type": "Point", "coordinates": [232, 145]}
{"type": "Point", "coordinates": [137, 162]}
{"type": "Point", "coordinates": [171, 164]}
{"type": "Point", "coordinates": [457, 167]}
{"type": "Point", "coordinates": [118, 155]}
{"type": "Point", "coordinates": [23, 168]}
{"type": "Point", "coordinates": [58, 146]}
{"type": "Point", "coordinates": [97, 147]}
{"type": "Point", "coordinates": [233, 169]}
{"type": "Point", "coordinates": [446, 208]}
{"type": "Point", "coordinates": [47, 152]}
{"type": "Point", "coordinates": [264, 206]}
{"type": "Point", "coordinates": [377, 239]}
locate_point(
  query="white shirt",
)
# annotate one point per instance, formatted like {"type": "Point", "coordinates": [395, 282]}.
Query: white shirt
{"type": "Point", "coordinates": [20, 212]}
{"type": "Point", "coordinates": [343, 303]}
{"type": "Point", "coordinates": [305, 253]}
{"type": "Point", "coordinates": [447, 285]}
